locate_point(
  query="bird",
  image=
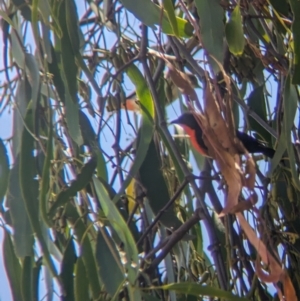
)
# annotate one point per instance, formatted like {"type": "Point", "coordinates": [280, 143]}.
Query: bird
{"type": "Point", "coordinates": [190, 125]}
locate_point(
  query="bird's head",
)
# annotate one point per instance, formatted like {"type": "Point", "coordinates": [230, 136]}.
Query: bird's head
{"type": "Point", "coordinates": [186, 120]}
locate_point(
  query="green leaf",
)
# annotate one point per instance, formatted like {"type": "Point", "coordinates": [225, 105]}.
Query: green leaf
{"type": "Point", "coordinates": [81, 285]}
{"type": "Point", "coordinates": [168, 6]}
{"type": "Point", "coordinates": [36, 272]}
{"type": "Point", "coordinates": [148, 297]}
{"type": "Point", "coordinates": [23, 6]}
{"type": "Point", "coordinates": [23, 96]}
{"type": "Point", "coordinates": [212, 28]}
{"type": "Point", "coordinates": [26, 282]}
{"type": "Point", "coordinates": [109, 264]}
{"type": "Point", "coordinates": [45, 11]}
{"type": "Point", "coordinates": [4, 170]}
{"type": "Point", "coordinates": [69, 67]}
{"type": "Point", "coordinates": [29, 188]}
{"type": "Point", "coordinates": [72, 117]}
{"type": "Point", "coordinates": [6, 17]}
{"type": "Point", "coordinates": [283, 194]}
{"type": "Point", "coordinates": [17, 49]}
{"type": "Point", "coordinates": [290, 107]}
{"type": "Point", "coordinates": [120, 227]}
{"type": "Point", "coordinates": [280, 150]}
{"type": "Point", "coordinates": [234, 32]}
{"type": "Point", "coordinates": [295, 6]}
{"type": "Point", "coordinates": [72, 24]}
{"type": "Point", "coordinates": [23, 236]}
{"type": "Point", "coordinates": [153, 181]}
{"type": "Point", "coordinates": [196, 290]}
{"type": "Point", "coordinates": [45, 180]}
{"type": "Point", "coordinates": [12, 267]}
{"type": "Point", "coordinates": [34, 77]}
{"type": "Point", "coordinates": [57, 78]}
{"type": "Point", "coordinates": [67, 268]}
{"type": "Point", "coordinates": [45, 42]}
{"type": "Point", "coordinates": [34, 19]}
{"type": "Point", "coordinates": [146, 129]}
{"type": "Point", "coordinates": [80, 230]}
{"type": "Point", "coordinates": [151, 14]}
{"type": "Point", "coordinates": [87, 131]}
{"type": "Point", "coordinates": [101, 166]}
{"type": "Point", "coordinates": [257, 103]}
{"type": "Point", "coordinates": [69, 75]}
{"type": "Point", "coordinates": [82, 179]}
{"type": "Point", "coordinates": [282, 7]}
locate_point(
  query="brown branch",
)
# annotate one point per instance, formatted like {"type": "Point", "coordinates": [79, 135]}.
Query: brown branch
{"type": "Point", "coordinates": [175, 238]}
{"type": "Point", "coordinates": [163, 210]}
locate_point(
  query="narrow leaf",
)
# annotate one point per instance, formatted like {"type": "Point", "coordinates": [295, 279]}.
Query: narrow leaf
{"type": "Point", "coordinates": [12, 266]}
{"type": "Point", "coordinates": [168, 6]}
{"type": "Point", "coordinates": [120, 227]}
{"type": "Point", "coordinates": [69, 76]}
{"type": "Point", "coordinates": [257, 103]}
{"type": "Point", "coordinates": [17, 49]}
{"type": "Point", "coordinates": [72, 24]}
{"type": "Point", "coordinates": [196, 290]}
{"type": "Point", "coordinates": [67, 55]}
{"type": "Point", "coordinates": [23, 236]}
{"type": "Point", "coordinates": [146, 129]}
{"type": "Point", "coordinates": [154, 183]}
{"type": "Point", "coordinates": [29, 188]}
{"type": "Point", "coordinates": [4, 170]}
{"type": "Point", "coordinates": [212, 28]}
{"type": "Point", "coordinates": [150, 14]}
{"type": "Point", "coordinates": [234, 32]}
{"type": "Point", "coordinates": [78, 184]}
{"type": "Point", "coordinates": [72, 117]}
{"type": "Point", "coordinates": [81, 285]}
{"type": "Point", "coordinates": [80, 230]}
{"type": "Point", "coordinates": [109, 263]}
{"type": "Point", "coordinates": [67, 267]}
{"type": "Point", "coordinates": [45, 180]}
{"type": "Point", "coordinates": [26, 282]}
{"type": "Point", "coordinates": [34, 77]}
{"type": "Point", "coordinates": [295, 6]}
{"type": "Point", "coordinates": [290, 107]}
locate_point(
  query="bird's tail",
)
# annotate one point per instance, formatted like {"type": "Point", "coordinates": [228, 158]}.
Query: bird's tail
{"type": "Point", "coordinates": [255, 146]}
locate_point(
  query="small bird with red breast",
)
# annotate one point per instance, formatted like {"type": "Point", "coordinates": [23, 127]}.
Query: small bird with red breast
{"type": "Point", "coordinates": [190, 125]}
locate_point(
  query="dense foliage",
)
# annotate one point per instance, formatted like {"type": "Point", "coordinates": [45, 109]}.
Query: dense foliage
{"type": "Point", "coordinates": [98, 198]}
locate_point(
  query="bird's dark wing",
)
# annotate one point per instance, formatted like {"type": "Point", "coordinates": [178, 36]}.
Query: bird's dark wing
{"type": "Point", "coordinates": [254, 146]}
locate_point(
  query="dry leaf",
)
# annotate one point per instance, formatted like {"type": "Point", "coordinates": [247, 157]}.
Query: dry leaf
{"type": "Point", "coordinates": [216, 120]}
{"type": "Point", "coordinates": [288, 288]}
{"type": "Point", "coordinates": [182, 81]}
{"type": "Point", "coordinates": [276, 273]}
{"type": "Point", "coordinates": [220, 143]}
{"type": "Point", "coordinates": [250, 172]}
{"type": "Point", "coordinates": [245, 204]}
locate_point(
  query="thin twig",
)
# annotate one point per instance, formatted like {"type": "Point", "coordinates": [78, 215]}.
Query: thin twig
{"type": "Point", "coordinates": [163, 210]}
{"type": "Point", "coordinates": [176, 237]}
